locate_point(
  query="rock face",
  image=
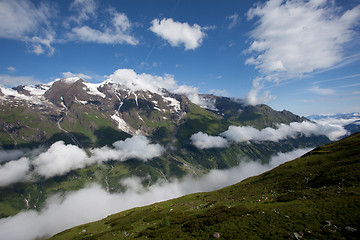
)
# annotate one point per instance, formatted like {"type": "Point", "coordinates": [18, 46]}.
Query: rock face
{"type": "Point", "coordinates": [33, 115]}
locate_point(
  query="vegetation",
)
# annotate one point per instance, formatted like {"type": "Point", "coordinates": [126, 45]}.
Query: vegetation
{"type": "Point", "coordinates": [316, 196]}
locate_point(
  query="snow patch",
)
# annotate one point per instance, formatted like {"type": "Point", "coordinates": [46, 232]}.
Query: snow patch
{"type": "Point", "coordinates": [8, 92]}
{"type": "Point", "coordinates": [122, 125]}
{"type": "Point", "coordinates": [173, 102]}
{"type": "Point", "coordinates": [79, 101]}
{"type": "Point", "coordinates": [93, 89]}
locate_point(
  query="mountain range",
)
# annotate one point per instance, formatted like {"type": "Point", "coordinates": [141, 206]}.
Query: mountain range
{"type": "Point", "coordinates": [187, 134]}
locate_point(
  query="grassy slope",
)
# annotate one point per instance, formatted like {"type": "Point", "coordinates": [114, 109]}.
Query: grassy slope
{"type": "Point", "coordinates": [317, 195]}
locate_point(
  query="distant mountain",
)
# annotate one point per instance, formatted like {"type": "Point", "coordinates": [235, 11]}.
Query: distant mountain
{"type": "Point", "coordinates": [350, 121]}
{"type": "Point", "coordinates": [312, 197]}
{"type": "Point", "coordinates": [89, 116]}
{"type": "Point", "coordinates": [353, 115]}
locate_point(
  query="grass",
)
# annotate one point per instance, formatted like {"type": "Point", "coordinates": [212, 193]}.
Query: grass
{"type": "Point", "coordinates": [316, 196]}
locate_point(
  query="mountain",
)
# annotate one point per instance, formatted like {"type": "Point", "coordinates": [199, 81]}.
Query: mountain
{"type": "Point", "coordinates": [88, 117]}
{"type": "Point", "coordinates": [313, 197]}
{"type": "Point", "coordinates": [350, 121]}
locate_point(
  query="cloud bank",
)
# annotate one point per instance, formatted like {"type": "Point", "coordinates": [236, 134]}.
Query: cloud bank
{"type": "Point", "coordinates": [64, 212]}
{"type": "Point", "coordinates": [60, 158]}
{"type": "Point", "coordinates": [177, 33]}
{"type": "Point", "coordinates": [237, 134]}
{"type": "Point", "coordinates": [292, 38]}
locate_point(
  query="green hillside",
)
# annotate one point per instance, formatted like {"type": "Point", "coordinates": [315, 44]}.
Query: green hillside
{"type": "Point", "coordinates": [316, 196]}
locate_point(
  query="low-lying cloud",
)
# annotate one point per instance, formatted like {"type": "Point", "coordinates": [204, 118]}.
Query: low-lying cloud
{"type": "Point", "coordinates": [62, 212]}
{"type": "Point", "coordinates": [202, 140]}
{"type": "Point", "coordinates": [60, 158]}
{"type": "Point", "coordinates": [14, 171]}
{"type": "Point", "coordinates": [237, 134]}
{"type": "Point", "coordinates": [138, 147]}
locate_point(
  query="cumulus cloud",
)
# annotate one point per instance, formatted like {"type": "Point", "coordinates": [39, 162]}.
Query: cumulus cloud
{"type": "Point", "coordinates": [23, 21]}
{"type": "Point", "coordinates": [293, 38]}
{"type": "Point", "coordinates": [147, 82]}
{"type": "Point", "coordinates": [14, 171]}
{"type": "Point", "coordinates": [138, 147]}
{"type": "Point", "coordinates": [64, 212]}
{"type": "Point", "coordinates": [239, 134]}
{"type": "Point", "coordinates": [202, 140]}
{"type": "Point", "coordinates": [130, 79]}
{"type": "Point", "coordinates": [192, 93]}
{"type": "Point", "coordinates": [71, 75]}
{"type": "Point", "coordinates": [60, 159]}
{"type": "Point", "coordinates": [177, 33]}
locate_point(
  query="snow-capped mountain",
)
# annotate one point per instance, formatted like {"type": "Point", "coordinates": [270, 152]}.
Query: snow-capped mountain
{"type": "Point", "coordinates": [73, 108]}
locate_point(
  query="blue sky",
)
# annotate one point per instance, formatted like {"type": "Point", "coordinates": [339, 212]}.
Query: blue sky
{"type": "Point", "coordinates": [303, 56]}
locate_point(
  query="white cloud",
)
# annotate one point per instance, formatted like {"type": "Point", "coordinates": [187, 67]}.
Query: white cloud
{"type": "Point", "coordinates": [60, 159]}
{"type": "Point", "coordinates": [202, 140]}
{"type": "Point", "coordinates": [85, 9]}
{"type": "Point", "coordinates": [190, 92]}
{"type": "Point", "coordinates": [247, 133]}
{"type": "Point", "coordinates": [138, 147]}
{"type": "Point", "coordinates": [108, 36]}
{"type": "Point", "coordinates": [252, 97]}
{"type": "Point", "coordinates": [322, 91]}
{"type": "Point", "coordinates": [239, 134]}
{"type": "Point", "coordinates": [293, 38]}
{"type": "Point", "coordinates": [23, 21]}
{"type": "Point", "coordinates": [61, 213]}
{"type": "Point", "coordinates": [12, 81]}
{"type": "Point", "coordinates": [234, 20]}
{"type": "Point", "coordinates": [177, 33]}
{"type": "Point", "coordinates": [146, 82]}
{"type": "Point", "coordinates": [71, 75]}
{"type": "Point", "coordinates": [11, 69]}
{"type": "Point", "coordinates": [118, 31]}
{"type": "Point", "coordinates": [14, 171]}
{"type": "Point", "coordinates": [130, 79]}
{"type": "Point", "coordinates": [299, 37]}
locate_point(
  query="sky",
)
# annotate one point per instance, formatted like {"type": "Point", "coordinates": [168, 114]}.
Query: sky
{"type": "Point", "coordinates": [303, 56]}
